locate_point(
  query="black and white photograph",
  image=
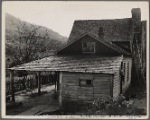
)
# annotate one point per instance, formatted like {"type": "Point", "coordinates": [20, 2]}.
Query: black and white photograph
{"type": "Point", "coordinates": [75, 59]}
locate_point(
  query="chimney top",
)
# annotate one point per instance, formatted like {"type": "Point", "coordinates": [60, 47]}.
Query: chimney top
{"type": "Point", "coordinates": [136, 16]}
{"type": "Point", "coordinates": [136, 10]}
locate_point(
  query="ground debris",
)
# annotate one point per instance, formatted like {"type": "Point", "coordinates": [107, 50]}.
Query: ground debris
{"type": "Point", "coordinates": [128, 103]}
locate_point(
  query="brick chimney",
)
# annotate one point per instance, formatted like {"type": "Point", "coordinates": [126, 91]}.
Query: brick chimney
{"type": "Point", "coordinates": [136, 16]}
{"type": "Point", "coordinates": [136, 22]}
{"type": "Point", "coordinates": [137, 73]}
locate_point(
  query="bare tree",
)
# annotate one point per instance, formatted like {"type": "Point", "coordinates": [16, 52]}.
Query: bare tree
{"type": "Point", "coordinates": [29, 42]}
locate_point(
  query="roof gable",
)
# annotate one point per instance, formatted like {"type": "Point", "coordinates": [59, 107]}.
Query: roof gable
{"type": "Point", "coordinates": [113, 47]}
{"type": "Point", "coordinates": [126, 45]}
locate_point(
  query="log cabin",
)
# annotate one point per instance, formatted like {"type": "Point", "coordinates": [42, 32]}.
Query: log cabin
{"type": "Point", "coordinates": [95, 63]}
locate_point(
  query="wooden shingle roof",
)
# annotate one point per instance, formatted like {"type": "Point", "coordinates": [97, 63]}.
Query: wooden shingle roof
{"type": "Point", "coordinates": [114, 30]}
{"type": "Point", "coordinates": [80, 63]}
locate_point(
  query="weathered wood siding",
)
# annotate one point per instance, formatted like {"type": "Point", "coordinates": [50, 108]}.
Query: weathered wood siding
{"type": "Point", "coordinates": [116, 85]}
{"type": "Point", "coordinates": [76, 47]}
{"type": "Point", "coordinates": [101, 88]}
{"type": "Point", "coordinates": [127, 62]}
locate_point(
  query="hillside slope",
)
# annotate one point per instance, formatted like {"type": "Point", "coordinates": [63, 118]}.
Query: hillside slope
{"type": "Point", "coordinates": [12, 23]}
{"type": "Point", "coordinates": [26, 42]}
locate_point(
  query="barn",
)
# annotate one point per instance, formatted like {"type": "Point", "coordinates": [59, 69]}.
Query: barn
{"type": "Point", "coordinates": [95, 63]}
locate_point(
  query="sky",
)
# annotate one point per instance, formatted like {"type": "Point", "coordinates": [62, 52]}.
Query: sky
{"type": "Point", "coordinates": [60, 15]}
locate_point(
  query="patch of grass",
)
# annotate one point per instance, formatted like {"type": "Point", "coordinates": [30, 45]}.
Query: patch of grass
{"type": "Point", "coordinates": [99, 107]}
{"type": "Point", "coordinates": [12, 105]}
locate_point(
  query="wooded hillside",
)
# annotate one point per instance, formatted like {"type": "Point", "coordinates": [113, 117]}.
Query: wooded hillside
{"type": "Point", "coordinates": [26, 42]}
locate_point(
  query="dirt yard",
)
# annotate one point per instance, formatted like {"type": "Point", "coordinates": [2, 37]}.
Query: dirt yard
{"type": "Point", "coordinates": [30, 99]}
{"type": "Point", "coordinates": [134, 103]}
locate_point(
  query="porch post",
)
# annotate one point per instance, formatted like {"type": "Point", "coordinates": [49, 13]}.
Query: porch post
{"type": "Point", "coordinates": [12, 86]}
{"type": "Point", "coordinates": [39, 84]}
{"type": "Point", "coordinates": [57, 78]}
{"type": "Point", "coordinates": [60, 89]}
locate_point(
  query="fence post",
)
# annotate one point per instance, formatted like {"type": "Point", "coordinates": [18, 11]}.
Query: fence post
{"type": "Point", "coordinates": [39, 84]}
{"type": "Point", "coordinates": [12, 86]}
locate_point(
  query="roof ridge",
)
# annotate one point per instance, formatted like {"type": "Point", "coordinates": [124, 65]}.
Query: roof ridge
{"type": "Point", "coordinates": [102, 19]}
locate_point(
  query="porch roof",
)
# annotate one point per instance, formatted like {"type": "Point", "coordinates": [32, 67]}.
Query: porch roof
{"type": "Point", "coordinates": [78, 63]}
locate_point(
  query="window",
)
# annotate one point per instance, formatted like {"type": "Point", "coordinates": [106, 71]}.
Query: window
{"type": "Point", "coordinates": [88, 47]}
{"type": "Point", "coordinates": [122, 72]}
{"type": "Point", "coordinates": [85, 82]}
{"type": "Point", "coordinates": [125, 73]}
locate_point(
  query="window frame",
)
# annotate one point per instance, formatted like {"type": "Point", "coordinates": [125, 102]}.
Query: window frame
{"type": "Point", "coordinates": [86, 85]}
{"type": "Point", "coordinates": [94, 43]}
{"type": "Point", "coordinates": [125, 72]}
{"type": "Point", "coordinates": [128, 72]}
{"type": "Point", "coordinates": [122, 72]}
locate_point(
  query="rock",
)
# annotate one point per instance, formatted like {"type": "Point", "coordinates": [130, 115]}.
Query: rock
{"type": "Point", "coordinates": [131, 102]}
{"type": "Point", "coordinates": [119, 106]}
{"type": "Point", "coordinates": [128, 103]}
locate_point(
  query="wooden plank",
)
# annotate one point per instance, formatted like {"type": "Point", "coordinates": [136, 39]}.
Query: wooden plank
{"type": "Point", "coordinates": [69, 87]}
{"type": "Point", "coordinates": [102, 78]}
{"type": "Point", "coordinates": [102, 75]}
{"type": "Point", "coordinates": [70, 80]}
{"type": "Point", "coordinates": [68, 96]}
{"type": "Point", "coordinates": [99, 82]}
{"type": "Point", "coordinates": [101, 96]}
{"type": "Point", "coordinates": [81, 88]}
{"type": "Point", "coordinates": [71, 83]}
{"type": "Point", "coordinates": [69, 74]}
{"type": "Point", "coordinates": [78, 89]}
{"type": "Point", "coordinates": [83, 92]}
{"type": "Point", "coordinates": [102, 84]}
{"type": "Point", "coordinates": [102, 87]}
{"type": "Point", "coordinates": [75, 96]}
{"type": "Point", "coordinates": [85, 97]}
{"type": "Point", "coordinates": [85, 76]}
{"type": "Point", "coordinates": [102, 92]}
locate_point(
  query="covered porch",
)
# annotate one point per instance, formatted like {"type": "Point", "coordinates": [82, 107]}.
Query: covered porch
{"type": "Point", "coordinates": [53, 77]}
{"type": "Point", "coordinates": [58, 64]}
